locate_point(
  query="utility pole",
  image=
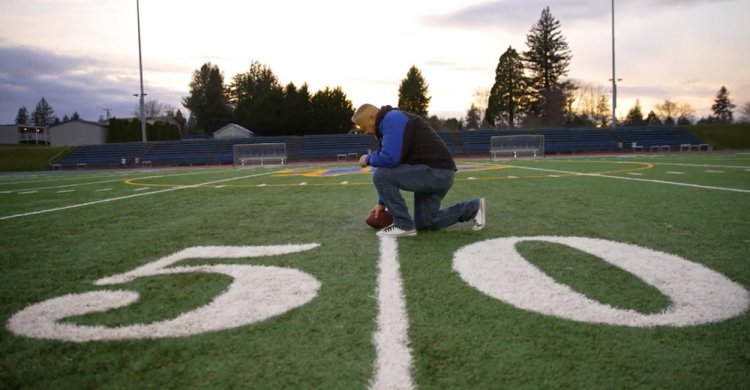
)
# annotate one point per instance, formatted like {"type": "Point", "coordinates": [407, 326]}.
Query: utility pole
{"type": "Point", "coordinates": [140, 64]}
{"type": "Point", "coordinates": [614, 80]}
{"type": "Point", "coordinates": [107, 110]}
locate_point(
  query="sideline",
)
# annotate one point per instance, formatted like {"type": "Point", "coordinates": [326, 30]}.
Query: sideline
{"type": "Point", "coordinates": [128, 197]}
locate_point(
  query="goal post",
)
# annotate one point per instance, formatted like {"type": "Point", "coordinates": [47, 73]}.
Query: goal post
{"type": "Point", "coordinates": [516, 146]}
{"type": "Point", "coordinates": [247, 155]}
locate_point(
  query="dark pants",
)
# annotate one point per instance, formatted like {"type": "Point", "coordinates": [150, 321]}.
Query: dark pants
{"type": "Point", "coordinates": [429, 186]}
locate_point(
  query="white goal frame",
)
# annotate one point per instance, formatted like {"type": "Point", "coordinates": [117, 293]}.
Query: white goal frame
{"type": "Point", "coordinates": [516, 146]}
{"type": "Point", "coordinates": [248, 155]}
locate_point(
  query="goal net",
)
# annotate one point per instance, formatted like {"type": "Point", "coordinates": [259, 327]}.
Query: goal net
{"type": "Point", "coordinates": [246, 155]}
{"type": "Point", "coordinates": [516, 146]}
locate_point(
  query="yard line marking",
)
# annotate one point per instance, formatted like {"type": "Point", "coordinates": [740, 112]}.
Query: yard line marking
{"type": "Point", "coordinates": [639, 179]}
{"type": "Point", "coordinates": [65, 191]}
{"type": "Point", "coordinates": [142, 189]}
{"type": "Point", "coordinates": [675, 173]}
{"type": "Point", "coordinates": [6, 192]}
{"type": "Point", "coordinates": [712, 171]}
{"type": "Point", "coordinates": [27, 192]}
{"type": "Point", "coordinates": [707, 165]}
{"type": "Point", "coordinates": [103, 189]}
{"type": "Point", "coordinates": [393, 361]}
{"type": "Point", "coordinates": [129, 196]}
{"type": "Point", "coordinates": [635, 174]}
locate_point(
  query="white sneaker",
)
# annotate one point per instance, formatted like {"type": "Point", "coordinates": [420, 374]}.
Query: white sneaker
{"type": "Point", "coordinates": [481, 218]}
{"type": "Point", "coordinates": [394, 231]}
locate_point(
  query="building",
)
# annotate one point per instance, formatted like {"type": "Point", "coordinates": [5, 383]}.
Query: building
{"type": "Point", "coordinates": [23, 134]}
{"type": "Point", "coordinates": [77, 132]}
{"type": "Point", "coordinates": [232, 131]}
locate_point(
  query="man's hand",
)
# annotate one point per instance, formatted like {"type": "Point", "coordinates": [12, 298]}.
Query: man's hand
{"type": "Point", "coordinates": [377, 209]}
{"type": "Point", "coordinates": [363, 161]}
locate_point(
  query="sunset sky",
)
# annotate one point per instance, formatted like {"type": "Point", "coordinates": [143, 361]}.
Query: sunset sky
{"type": "Point", "coordinates": [82, 55]}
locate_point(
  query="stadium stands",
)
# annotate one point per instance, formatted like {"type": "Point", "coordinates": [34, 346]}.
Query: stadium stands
{"type": "Point", "coordinates": [201, 152]}
{"type": "Point", "coordinates": [662, 138]}
{"type": "Point", "coordinates": [104, 155]}
{"type": "Point", "coordinates": [335, 146]}
{"type": "Point", "coordinates": [348, 147]}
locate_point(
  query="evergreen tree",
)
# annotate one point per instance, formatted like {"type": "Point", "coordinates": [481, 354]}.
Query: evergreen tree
{"type": "Point", "coordinates": [75, 116]}
{"type": "Point", "coordinates": [297, 109]}
{"type": "Point", "coordinates": [602, 116]}
{"type": "Point", "coordinates": [23, 116]}
{"type": "Point", "coordinates": [473, 117]}
{"type": "Point", "coordinates": [258, 99]}
{"type": "Point", "coordinates": [723, 106]}
{"type": "Point", "coordinates": [635, 115]}
{"type": "Point", "coordinates": [745, 110]}
{"type": "Point", "coordinates": [331, 112]}
{"type": "Point", "coordinates": [509, 95]}
{"type": "Point", "coordinates": [65, 118]}
{"type": "Point", "coordinates": [412, 93]}
{"type": "Point", "coordinates": [652, 119]}
{"type": "Point", "coordinates": [208, 101]}
{"type": "Point", "coordinates": [43, 115]}
{"type": "Point", "coordinates": [547, 60]}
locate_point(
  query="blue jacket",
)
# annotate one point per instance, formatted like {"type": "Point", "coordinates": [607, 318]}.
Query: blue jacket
{"type": "Point", "coordinates": [408, 139]}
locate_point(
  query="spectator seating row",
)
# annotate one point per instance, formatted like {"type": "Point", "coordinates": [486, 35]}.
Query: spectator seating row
{"type": "Point", "coordinates": [669, 137]}
{"type": "Point", "coordinates": [108, 154]}
{"type": "Point", "coordinates": [350, 146]}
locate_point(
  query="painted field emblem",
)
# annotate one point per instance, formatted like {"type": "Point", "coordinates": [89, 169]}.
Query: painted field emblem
{"type": "Point", "coordinates": [255, 294]}
{"type": "Point", "coordinates": [698, 295]}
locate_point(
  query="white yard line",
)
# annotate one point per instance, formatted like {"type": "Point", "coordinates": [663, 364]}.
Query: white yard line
{"type": "Point", "coordinates": [393, 363]}
{"type": "Point", "coordinates": [128, 197]}
{"type": "Point", "coordinates": [637, 179]}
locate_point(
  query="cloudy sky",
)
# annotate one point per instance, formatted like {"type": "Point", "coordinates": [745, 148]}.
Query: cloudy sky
{"type": "Point", "coordinates": [82, 55]}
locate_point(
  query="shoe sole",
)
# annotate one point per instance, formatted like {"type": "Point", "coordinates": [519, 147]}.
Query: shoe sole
{"type": "Point", "coordinates": [408, 234]}
{"type": "Point", "coordinates": [483, 209]}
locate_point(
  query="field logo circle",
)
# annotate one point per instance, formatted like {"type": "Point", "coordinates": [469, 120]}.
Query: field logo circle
{"type": "Point", "coordinates": [698, 295]}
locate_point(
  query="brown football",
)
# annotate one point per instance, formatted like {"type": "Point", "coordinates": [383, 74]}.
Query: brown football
{"type": "Point", "coordinates": [384, 219]}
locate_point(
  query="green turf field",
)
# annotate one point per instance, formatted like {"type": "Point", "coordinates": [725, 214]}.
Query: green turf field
{"type": "Point", "coordinates": [269, 278]}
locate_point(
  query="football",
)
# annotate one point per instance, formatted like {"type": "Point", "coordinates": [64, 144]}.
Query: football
{"type": "Point", "coordinates": [384, 219]}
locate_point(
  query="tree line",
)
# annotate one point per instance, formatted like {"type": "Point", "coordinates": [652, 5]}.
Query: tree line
{"type": "Point", "coordinates": [257, 101]}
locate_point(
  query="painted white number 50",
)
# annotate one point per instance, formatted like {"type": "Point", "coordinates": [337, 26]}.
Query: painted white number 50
{"type": "Point", "coordinates": [256, 293]}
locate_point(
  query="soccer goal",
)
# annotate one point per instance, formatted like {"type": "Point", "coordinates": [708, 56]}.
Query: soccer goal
{"type": "Point", "coordinates": [516, 146]}
{"type": "Point", "coordinates": [247, 155]}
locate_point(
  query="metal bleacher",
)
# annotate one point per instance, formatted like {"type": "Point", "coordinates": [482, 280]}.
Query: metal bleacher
{"type": "Point", "coordinates": [335, 146]}
{"type": "Point", "coordinates": [197, 152]}
{"type": "Point", "coordinates": [348, 147]}
{"type": "Point", "coordinates": [658, 138]}
{"type": "Point", "coordinates": [103, 155]}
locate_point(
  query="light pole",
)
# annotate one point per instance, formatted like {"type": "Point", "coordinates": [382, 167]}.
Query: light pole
{"type": "Point", "coordinates": [614, 80]}
{"type": "Point", "coordinates": [140, 64]}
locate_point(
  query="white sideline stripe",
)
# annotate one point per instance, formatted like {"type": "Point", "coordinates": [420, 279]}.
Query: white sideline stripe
{"type": "Point", "coordinates": [103, 189]}
{"type": "Point", "coordinates": [639, 179]}
{"type": "Point", "coordinates": [27, 192]}
{"type": "Point", "coordinates": [65, 191]}
{"type": "Point", "coordinates": [675, 173]}
{"type": "Point", "coordinates": [712, 171]}
{"type": "Point", "coordinates": [393, 363]}
{"type": "Point", "coordinates": [129, 196]}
